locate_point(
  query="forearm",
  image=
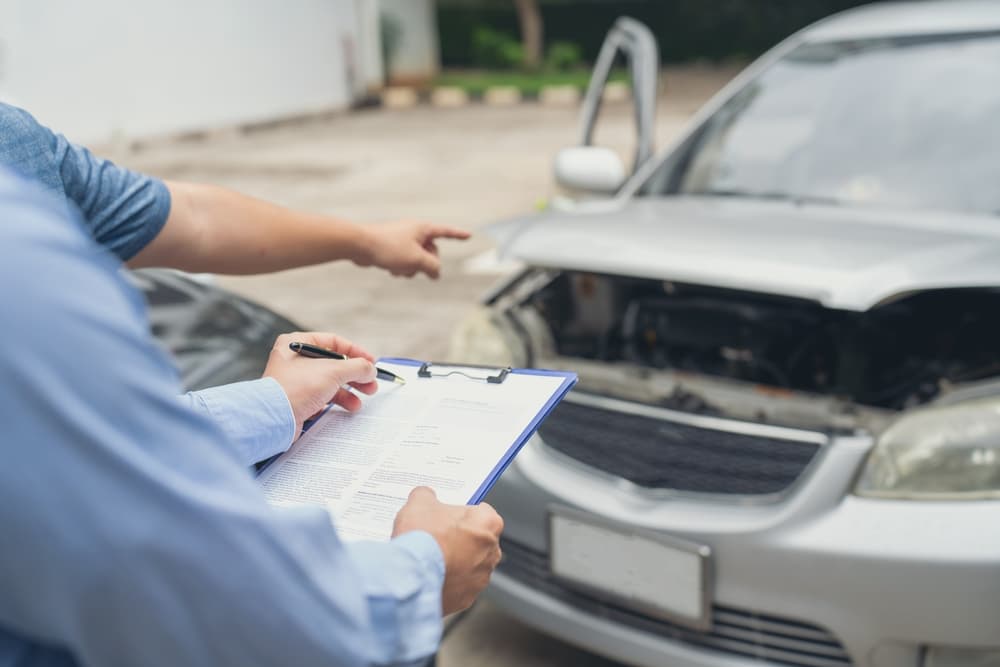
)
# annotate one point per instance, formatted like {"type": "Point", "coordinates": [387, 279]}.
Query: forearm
{"type": "Point", "coordinates": [212, 229]}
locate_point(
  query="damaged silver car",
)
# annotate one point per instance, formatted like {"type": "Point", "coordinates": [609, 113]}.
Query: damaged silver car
{"type": "Point", "coordinates": [785, 444]}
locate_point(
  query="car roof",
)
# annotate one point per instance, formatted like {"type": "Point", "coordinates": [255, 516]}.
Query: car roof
{"type": "Point", "coordinates": [897, 19]}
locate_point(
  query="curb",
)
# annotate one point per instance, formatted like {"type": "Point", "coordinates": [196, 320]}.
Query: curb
{"type": "Point", "coordinates": [559, 96]}
{"type": "Point", "coordinates": [502, 96]}
{"type": "Point", "coordinates": [452, 97]}
{"type": "Point", "coordinates": [449, 97]}
{"type": "Point", "coordinates": [400, 97]}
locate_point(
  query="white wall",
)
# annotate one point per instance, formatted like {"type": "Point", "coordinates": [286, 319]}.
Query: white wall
{"type": "Point", "coordinates": [101, 70]}
{"type": "Point", "coordinates": [417, 56]}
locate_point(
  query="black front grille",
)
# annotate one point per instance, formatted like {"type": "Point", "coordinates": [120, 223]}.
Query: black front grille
{"type": "Point", "coordinates": [771, 640]}
{"type": "Point", "coordinates": [659, 453]}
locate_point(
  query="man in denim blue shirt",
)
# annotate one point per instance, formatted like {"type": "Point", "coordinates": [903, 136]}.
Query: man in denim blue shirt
{"type": "Point", "coordinates": [148, 222]}
{"type": "Point", "coordinates": [201, 228]}
{"type": "Point", "coordinates": [133, 533]}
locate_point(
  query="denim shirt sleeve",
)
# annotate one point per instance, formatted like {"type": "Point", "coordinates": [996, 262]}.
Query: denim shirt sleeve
{"type": "Point", "coordinates": [136, 538]}
{"type": "Point", "coordinates": [255, 416]}
{"type": "Point", "coordinates": [123, 210]}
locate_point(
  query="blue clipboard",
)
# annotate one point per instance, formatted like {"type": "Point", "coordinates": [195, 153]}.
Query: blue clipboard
{"type": "Point", "coordinates": [569, 379]}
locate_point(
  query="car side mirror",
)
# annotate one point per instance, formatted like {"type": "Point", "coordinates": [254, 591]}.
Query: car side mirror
{"type": "Point", "coordinates": [591, 169]}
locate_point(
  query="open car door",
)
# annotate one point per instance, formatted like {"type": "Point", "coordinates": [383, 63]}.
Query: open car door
{"type": "Point", "coordinates": [594, 170]}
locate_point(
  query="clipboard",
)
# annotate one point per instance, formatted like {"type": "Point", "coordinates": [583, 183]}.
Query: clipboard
{"type": "Point", "coordinates": [495, 375]}
{"type": "Point", "coordinates": [456, 441]}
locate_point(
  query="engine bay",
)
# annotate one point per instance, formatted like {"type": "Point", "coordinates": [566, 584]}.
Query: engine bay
{"type": "Point", "coordinates": [894, 356]}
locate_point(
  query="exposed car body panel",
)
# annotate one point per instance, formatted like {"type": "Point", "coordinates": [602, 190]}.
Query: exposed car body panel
{"type": "Point", "coordinates": [850, 259]}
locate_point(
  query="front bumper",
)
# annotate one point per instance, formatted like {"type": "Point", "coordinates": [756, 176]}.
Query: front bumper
{"type": "Point", "coordinates": [819, 577]}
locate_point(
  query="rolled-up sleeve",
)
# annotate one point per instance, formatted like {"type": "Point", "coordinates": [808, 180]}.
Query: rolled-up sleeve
{"type": "Point", "coordinates": [123, 210]}
{"type": "Point", "coordinates": [255, 416]}
{"type": "Point", "coordinates": [134, 537]}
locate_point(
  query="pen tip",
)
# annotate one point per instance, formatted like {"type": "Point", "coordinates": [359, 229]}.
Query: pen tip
{"type": "Point", "coordinates": [399, 380]}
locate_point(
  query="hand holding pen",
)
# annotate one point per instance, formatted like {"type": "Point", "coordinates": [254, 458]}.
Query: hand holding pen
{"type": "Point", "coordinates": [312, 385]}
{"type": "Point", "coordinates": [316, 352]}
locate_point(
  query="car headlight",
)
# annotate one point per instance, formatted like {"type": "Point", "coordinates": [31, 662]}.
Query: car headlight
{"type": "Point", "coordinates": [483, 338]}
{"type": "Point", "coordinates": [939, 453]}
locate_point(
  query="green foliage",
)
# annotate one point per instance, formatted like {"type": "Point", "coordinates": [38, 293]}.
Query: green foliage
{"type": "Point", "coordinates": [686, 29]}
{"type": "Point", "coordinates": [496, 50]}
{"type": "Point", "coordinates": [563, 56]}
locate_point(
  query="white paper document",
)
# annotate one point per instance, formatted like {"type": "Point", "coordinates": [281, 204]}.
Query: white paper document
{"type": "Point", "coordinates": [448, 433]}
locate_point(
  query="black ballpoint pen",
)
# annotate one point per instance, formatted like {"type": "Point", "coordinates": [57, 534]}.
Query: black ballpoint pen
{"type": "Point", "coordinates": [317, 352]}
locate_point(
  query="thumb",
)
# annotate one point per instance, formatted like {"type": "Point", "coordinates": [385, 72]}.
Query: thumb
{"type": "Point", "coordinates": [422, 494]}
{"type": "Point", "coordinates": [355, 369]}
{"type": "Point", "coordinates": [430, 264]}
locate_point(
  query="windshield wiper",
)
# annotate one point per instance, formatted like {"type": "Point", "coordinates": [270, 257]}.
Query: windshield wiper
{"type": "Point", "coordinates": [771, 196]}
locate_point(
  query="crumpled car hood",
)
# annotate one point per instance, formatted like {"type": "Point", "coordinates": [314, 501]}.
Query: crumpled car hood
{"type": "Point", "coordinates": [842, 257]}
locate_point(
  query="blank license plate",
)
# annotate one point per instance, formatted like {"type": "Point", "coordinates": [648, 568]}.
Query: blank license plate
{"type": "Point", "coordinates": [656, 574]}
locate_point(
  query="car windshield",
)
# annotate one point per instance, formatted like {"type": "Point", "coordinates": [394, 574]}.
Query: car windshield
{"type": "Point", "coordinates": [902, 122]}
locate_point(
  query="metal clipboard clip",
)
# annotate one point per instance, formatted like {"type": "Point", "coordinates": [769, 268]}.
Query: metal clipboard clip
{"type": "Point", "coordinates": [491, 374]}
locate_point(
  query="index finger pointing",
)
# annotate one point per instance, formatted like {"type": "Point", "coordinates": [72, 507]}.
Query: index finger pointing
{"type": "Point", "coordinates": [445, 232]}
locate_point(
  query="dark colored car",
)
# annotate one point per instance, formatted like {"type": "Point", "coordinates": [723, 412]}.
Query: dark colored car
{"type": "Point", "coordinates": [215, 336]}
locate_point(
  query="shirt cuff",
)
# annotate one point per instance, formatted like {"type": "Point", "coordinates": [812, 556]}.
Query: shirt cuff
{"type": "Point", "coordinates": [403, 580]}
{"type": "Point", "coordinates": [255, 416]}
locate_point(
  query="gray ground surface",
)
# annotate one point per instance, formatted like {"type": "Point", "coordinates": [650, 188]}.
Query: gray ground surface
{"type": "Point", "coordinates": [467, 167]}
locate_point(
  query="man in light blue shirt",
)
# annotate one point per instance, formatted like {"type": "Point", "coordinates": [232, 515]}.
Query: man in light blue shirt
{"type": "Point", "coordinates": [133, 533]}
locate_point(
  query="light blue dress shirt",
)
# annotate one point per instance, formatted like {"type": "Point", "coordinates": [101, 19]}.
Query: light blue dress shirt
{"type": "Point", "coordinates": [132, 532]}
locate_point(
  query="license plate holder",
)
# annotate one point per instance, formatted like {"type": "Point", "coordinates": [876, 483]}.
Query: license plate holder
{"type": "Point", "coordinates": [640, 569]}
